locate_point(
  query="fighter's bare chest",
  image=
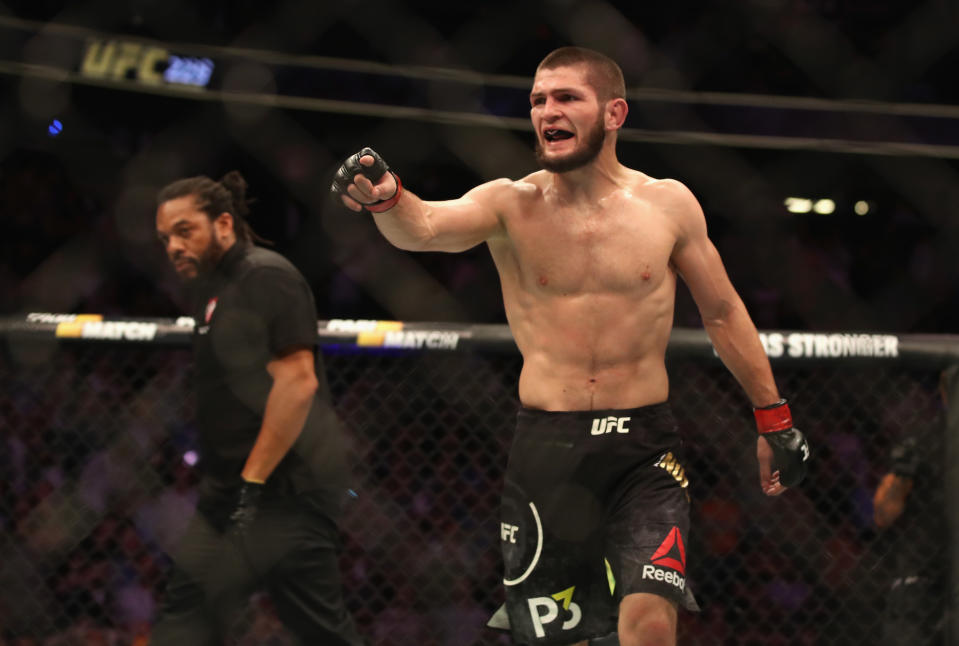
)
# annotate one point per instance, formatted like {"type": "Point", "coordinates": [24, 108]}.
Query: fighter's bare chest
{"type": "Point", "coordinates": [607, 250]}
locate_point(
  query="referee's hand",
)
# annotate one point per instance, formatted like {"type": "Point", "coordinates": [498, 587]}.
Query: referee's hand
{"type": "Point", "coordinates": [246, 506]}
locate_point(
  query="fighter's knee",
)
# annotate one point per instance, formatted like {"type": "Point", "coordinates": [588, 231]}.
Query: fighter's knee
{"type": "Point", "coordinates": [651, 631]}
{"type": "Point", "coordinates": [647, 620]}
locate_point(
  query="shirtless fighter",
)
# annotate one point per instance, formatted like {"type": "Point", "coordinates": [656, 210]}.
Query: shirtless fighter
{"type": "Point", "coordinates": [595, 508]}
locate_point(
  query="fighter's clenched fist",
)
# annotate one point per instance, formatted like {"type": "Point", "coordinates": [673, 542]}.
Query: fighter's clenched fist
{"type": "Point", "coordinates": [365, 181]}
{"type": "Point", "coordinates": [782, 449]}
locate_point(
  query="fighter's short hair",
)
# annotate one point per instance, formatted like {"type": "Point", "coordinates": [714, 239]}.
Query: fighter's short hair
{"type": "Point", "coordinates": [603, 73]}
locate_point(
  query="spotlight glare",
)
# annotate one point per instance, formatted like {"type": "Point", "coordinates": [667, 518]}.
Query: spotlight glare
{"type": "Point", "coordinates": [798, 204]}
{"type": "Point", "coordinates": [824, 207]}
{"type": "Point", "coordinates": [861, 207]}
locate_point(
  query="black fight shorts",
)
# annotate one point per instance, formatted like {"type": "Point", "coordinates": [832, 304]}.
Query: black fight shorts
{"type": "Point", "coordinates": [595, 507]}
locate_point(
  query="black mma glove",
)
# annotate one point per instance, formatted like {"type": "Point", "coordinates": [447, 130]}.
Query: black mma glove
{"type": "Point", "coordinates": [246, 506]}
{"type": "Point", "coordinates": [352, 167]}
{"type": "Point", "coordinates": [905, 458]}
{"type": "Point", "coordinates": [790, 449]}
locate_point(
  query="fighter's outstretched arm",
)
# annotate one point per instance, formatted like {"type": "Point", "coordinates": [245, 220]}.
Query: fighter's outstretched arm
{"type": "Point", "coordinates": [411, 223]}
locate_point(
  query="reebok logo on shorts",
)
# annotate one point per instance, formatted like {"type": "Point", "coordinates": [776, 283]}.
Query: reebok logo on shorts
{"type": "Point", "coordinates": [668, 551]}
{"type": "Point", "coordinates": [668, 562]}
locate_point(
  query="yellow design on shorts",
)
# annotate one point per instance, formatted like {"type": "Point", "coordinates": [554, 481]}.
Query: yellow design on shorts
{"type": "Point", "coordinates": [673, 468]}
{"type": "Point", "coordinates": [566, 596]}
{"type": "Point", "coordinates": [609, 577]}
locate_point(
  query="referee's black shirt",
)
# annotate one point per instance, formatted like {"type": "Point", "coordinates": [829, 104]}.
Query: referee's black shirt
{"type": "Point", "coordinates": [254, 306]}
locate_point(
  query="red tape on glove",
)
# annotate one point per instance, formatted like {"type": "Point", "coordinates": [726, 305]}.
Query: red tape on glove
{"type": "Point", "coordinates": [385, 205]}
{"type": "Point", "coordinates": [773, 418]}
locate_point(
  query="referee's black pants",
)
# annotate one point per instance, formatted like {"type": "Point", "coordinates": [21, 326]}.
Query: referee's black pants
{"type": "Point", "coordinates": [289, 551]}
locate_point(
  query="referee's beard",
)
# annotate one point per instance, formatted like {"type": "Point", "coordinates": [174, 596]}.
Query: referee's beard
{"type": "Point", "coordinates": [211, 256]}
{"type": "Point", "coordinates": [207, 260]}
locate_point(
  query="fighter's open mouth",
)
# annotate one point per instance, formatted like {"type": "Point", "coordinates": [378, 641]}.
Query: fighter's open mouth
{"type": "Point", "coordinates": [556, 135]}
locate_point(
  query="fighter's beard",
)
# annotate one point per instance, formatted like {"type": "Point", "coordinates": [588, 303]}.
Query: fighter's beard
{"type": "Point", "coordinates": [592, 145]}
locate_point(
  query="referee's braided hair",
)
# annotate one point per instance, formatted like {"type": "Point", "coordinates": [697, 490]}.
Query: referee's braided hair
{"type": "Point", "coordinates": [213, 198]}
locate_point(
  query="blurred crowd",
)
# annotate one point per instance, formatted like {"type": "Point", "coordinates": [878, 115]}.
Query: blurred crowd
{"type": "Point", "coordinates": [101, 476]}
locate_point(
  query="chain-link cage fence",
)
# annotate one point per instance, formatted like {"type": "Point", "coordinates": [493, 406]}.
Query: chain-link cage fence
{"type": "Point", "coordinates": [98, 481]}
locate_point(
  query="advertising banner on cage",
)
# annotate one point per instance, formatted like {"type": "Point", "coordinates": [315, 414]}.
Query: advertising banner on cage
{"type": "Point", "coordinates": [373, 334]}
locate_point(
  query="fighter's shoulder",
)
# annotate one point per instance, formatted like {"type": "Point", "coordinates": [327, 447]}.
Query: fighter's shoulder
{"type": "Point", "coordinates": [674, 200]}
{"type": "Point", "coordinates": [671, 193]}
{"type": "Point", "coordinates": [504, 191]}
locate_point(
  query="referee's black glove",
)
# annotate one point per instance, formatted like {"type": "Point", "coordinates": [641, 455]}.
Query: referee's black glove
{"type": "Point", "coordinates": [246, 506]}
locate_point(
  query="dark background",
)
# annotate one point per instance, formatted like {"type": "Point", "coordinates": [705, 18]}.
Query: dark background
{"type": "Point", "coordinates": [76, 210]}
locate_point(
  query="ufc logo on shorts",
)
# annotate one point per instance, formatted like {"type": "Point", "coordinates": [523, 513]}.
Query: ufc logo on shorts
{"type": "Point", "coordinates": [508, 532]}
{"type": "Point", "coordinates": [545, 610]}
{"type": "Point", "coordinates": [603, 425]}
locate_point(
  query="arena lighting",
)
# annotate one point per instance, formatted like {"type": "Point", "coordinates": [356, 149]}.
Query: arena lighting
{"type": "Point", "coordinates": [861, 207]}
{"type": "Point", "coordinates": [190, 458]}
{"type": "Point", "coordinates": [188, 71]}
{"type": "Point", "coordinates": [798, 204]}
{"type": "Point", "coordinates": [55, 128]}
{"type": "Point", "coordinates": [824, 206]}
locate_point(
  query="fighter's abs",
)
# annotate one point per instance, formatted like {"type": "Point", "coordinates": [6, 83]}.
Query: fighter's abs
{"type": "Point", "coordinates": [593, 351]}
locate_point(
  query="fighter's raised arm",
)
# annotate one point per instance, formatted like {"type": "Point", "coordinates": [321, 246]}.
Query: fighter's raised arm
{"type": "Point", "coordinates": [364, 181]}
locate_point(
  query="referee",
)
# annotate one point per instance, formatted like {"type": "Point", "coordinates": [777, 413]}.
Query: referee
{"type": "Point", "coordinates": [908, 505]}
{"type": "Point", "coordinates": [274, 469]}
